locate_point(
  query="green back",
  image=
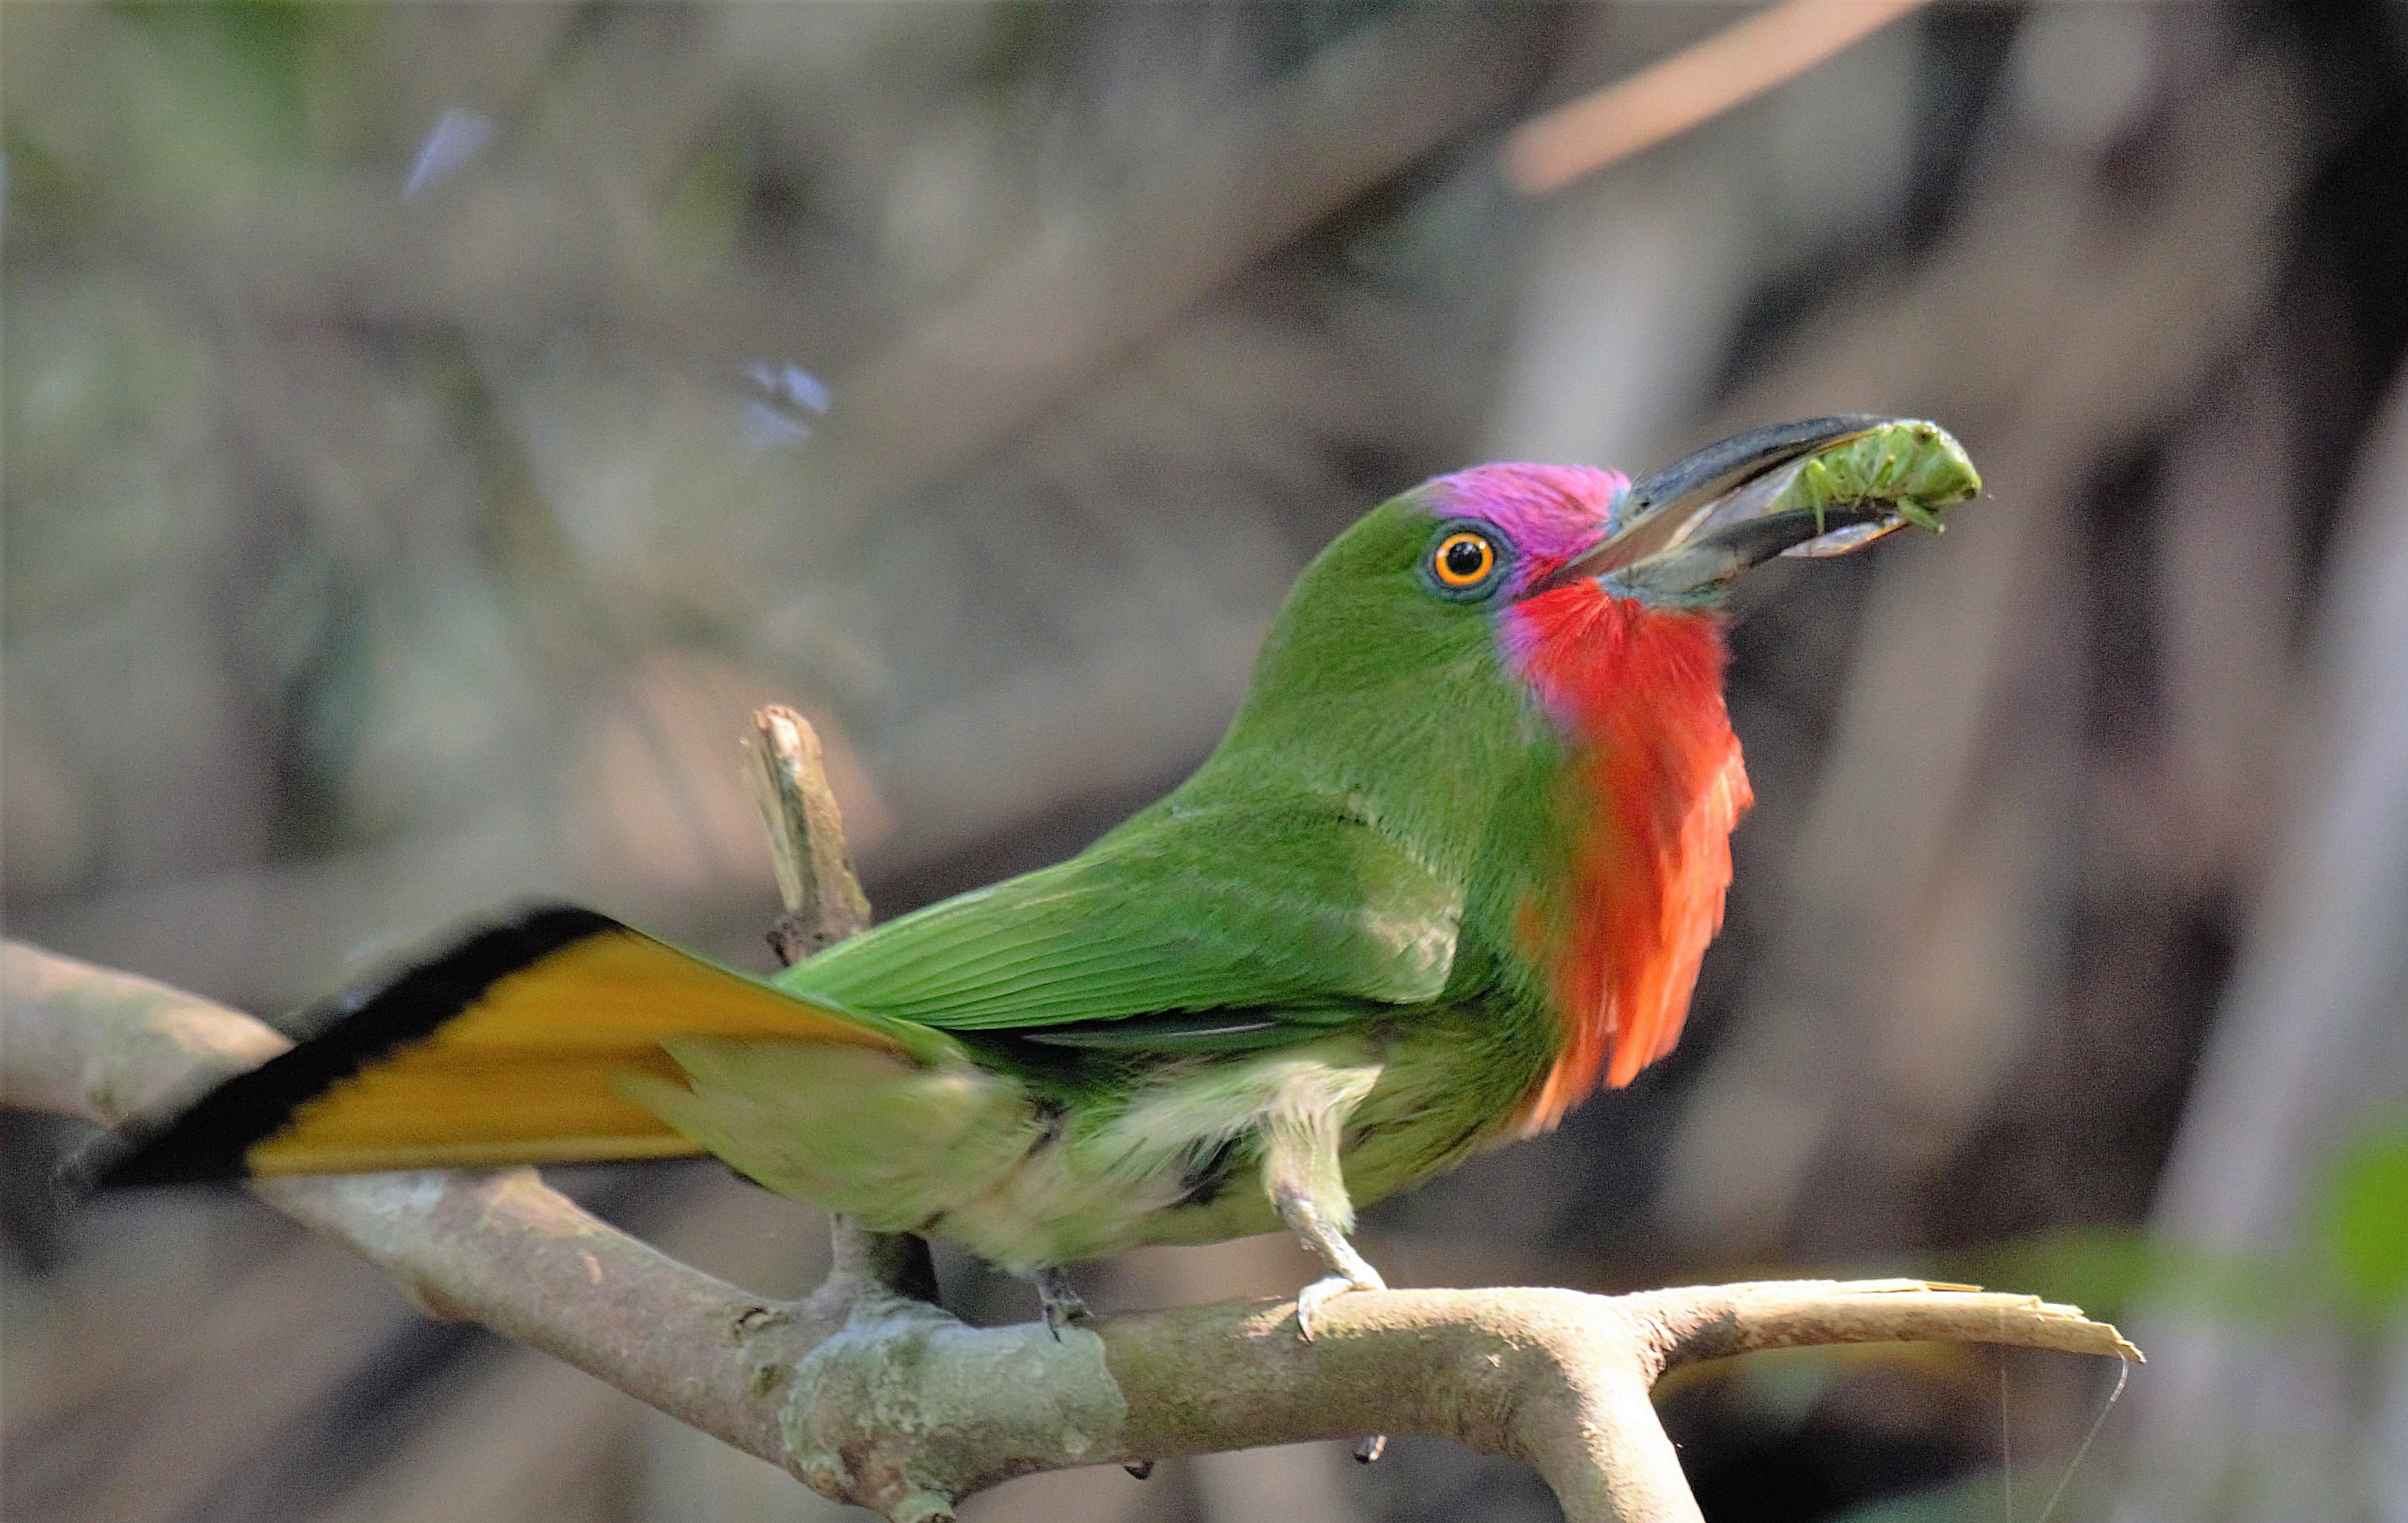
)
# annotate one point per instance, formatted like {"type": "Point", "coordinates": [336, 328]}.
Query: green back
{"type": "Point", "coordinates": [1351, 850]}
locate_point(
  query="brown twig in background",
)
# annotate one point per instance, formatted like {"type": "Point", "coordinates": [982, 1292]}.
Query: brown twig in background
{"type": "Point", "coordinates": [1669, 97]}
{"type": "Point", "coordinates": [878, 1399]}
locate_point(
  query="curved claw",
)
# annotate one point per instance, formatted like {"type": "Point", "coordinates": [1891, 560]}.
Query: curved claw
{"type": "Point", "coordinates": [1310, 1301]}
{"type": "Point", "coordinates": [1059, 1303]}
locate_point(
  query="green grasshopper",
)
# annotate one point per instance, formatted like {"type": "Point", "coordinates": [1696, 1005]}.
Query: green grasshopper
{"type": "Point", "coordinates": [1913, 471]}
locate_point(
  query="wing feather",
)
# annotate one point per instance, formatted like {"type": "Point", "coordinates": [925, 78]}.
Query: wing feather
{"type": "Point", "coordinates": [1307, 910]}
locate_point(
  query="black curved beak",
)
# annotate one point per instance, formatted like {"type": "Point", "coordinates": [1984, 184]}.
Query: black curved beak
{"type": "Point", "coordinates": [1702, 520]}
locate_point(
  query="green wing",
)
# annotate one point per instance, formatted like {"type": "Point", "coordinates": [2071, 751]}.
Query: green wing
{"type": "Point", "coordinates": [1244, 913]}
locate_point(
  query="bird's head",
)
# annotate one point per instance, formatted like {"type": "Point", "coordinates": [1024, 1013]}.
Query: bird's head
{"type": "Point", "coordinates": [1500, 535]}
{"type": "Point", "coordinates": [1516, 670]}
{"type": "Point", "coordinates": [1515, 560]}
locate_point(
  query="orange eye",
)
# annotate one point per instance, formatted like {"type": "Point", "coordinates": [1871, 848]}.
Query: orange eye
{"type": "Point", "coordinates": [1463, 559]}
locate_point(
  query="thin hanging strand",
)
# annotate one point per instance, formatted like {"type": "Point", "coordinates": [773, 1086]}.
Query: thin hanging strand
{"type": "Point", "coordinates": [2123, 1373]}
{"type": "Point", "coordinates": [2006, 1446]}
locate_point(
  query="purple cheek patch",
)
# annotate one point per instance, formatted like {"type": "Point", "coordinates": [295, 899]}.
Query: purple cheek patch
{"type": "Point", "coordinates": [1550, 514]}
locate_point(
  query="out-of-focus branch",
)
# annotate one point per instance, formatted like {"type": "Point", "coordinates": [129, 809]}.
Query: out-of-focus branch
{"type": "Point", "coordinates": [1674, 94]}
{"type": "Point", "coordinates": [2308, 1060]}
{"type": "Point", "coordinates": [886, 1400]}
{"type": "Point", "coordinates": [1057, 311]}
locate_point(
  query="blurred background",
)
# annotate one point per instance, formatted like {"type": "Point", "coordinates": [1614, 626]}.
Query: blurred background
{"type": "Point", "coordinates": [430, 428]}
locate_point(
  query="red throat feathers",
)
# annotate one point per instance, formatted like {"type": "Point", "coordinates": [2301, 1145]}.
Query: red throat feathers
{"type": "Point", "coordinates": [1658, 785]}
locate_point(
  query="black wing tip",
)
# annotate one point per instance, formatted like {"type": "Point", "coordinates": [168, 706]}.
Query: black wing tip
{"type": "Point", "coordinates": [553, 923]}
{"type": "Point", "coordinates": [147, 1150]}
{"type": "Point", "coordinates": [211, 1139]}
{"type": "Point", "coordinates": [206, 1141]}
{"type": "Point", "coordinates": [162, 1159]}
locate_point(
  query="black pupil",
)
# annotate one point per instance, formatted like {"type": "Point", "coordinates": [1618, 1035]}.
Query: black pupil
{"type": "Point", "coordinates": [1464, 558]}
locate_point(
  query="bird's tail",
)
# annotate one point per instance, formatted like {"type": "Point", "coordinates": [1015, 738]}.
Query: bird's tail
{"type": "Point", "coordinates": [527, 1042]}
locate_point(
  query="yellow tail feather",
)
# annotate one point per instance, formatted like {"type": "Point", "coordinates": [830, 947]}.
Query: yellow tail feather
{"type": "Point", "coordinates": [519, 1045]}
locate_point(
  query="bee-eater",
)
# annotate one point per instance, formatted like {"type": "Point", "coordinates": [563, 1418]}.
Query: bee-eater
{"type": "Point", "coordinates": [1451, 871]}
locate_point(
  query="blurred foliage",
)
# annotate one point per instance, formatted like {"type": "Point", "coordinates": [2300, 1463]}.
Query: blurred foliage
{"type": "Point", "coordinates": [2351, 1260]}
{"type": "Point", "coordinates": [2365, 1220]}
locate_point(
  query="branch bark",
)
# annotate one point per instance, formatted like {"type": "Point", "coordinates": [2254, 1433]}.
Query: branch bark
{"type": "Point", "coordinates": [880, 1399]}
{"type": "Point", "coordinates": [824, 904]}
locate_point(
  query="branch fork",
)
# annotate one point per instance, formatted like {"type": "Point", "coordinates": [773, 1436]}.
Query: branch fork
{"type": "Point", "coordinates": [870, 1394]}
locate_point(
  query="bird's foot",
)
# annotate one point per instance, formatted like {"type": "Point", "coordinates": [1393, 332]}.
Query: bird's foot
{"type": "Point", "coordinates": [1368, 1451]}
{"type": "Point", "coordinates": [1059, 1302]}
{"type": "Point", "coordinates": [1312, 1298]}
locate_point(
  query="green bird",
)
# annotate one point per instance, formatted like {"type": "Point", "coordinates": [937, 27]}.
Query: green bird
{"type": "Point", "coordinates": [1450, 871]}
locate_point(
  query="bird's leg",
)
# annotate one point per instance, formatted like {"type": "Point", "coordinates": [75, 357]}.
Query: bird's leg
{"type": "Point", "coordinates": [1058, 1302]}
{"type": "Point", "coordinates": [1349, 1269]}
{"type": "Point", "coordinates": [1301, 1172]}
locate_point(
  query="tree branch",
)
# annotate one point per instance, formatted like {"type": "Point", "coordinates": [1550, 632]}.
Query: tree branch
{"type": "Point", "coordinates": [878, 1399]}
{"type": "Point", "coordinates": [824, 904]}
